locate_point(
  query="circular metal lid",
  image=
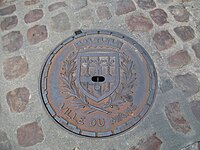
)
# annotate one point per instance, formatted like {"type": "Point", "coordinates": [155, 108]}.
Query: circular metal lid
{"type": "Point", "coordinates": [98, 83]}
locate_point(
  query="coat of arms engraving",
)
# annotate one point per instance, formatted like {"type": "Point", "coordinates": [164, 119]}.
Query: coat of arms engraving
{"type": "Point", "coordinates": [98, 74]}
{"type": "Point", "coordinates": [78, 83]}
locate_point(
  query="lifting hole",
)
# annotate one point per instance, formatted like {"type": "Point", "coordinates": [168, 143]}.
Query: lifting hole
{"type": "Point", "coordinates": [98, 79]}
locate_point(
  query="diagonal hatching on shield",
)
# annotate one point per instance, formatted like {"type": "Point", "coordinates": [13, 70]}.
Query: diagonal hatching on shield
{"type": "Point", "coordinates": [98, 74]}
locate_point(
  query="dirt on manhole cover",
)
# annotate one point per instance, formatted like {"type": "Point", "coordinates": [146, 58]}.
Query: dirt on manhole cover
{"type": "Point", "coordinates": [98, 83]}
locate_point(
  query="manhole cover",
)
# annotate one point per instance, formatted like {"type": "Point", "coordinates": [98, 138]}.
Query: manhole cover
{"type": "Point", "coordinates": [98, 83]}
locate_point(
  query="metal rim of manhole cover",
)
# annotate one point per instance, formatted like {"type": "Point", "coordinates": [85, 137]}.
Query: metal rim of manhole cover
{"type": "Point", "coordinates": [98, 83]}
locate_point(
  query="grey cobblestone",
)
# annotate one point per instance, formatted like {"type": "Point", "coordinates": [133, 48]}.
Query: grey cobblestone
{"type": "Point", "coordinates": [163, 27]}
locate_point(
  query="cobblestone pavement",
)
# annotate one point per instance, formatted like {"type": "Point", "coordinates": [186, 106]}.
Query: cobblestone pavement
{"type": "Point", "coordinates": [168, 29]}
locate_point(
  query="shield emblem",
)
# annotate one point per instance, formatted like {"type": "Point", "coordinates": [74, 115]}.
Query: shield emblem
{"type": "Point", "coordinates": [98, 74]}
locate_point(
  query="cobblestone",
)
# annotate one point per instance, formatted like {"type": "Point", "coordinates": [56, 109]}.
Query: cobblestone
{"type": "Point", "coordinates": [15, 67]}
{"type": "Point", "coordinates": [61, 22]}
{"type": "Point", "coordinates": [180, 13]}
{"type": "Point", "coordinates": [18, 99]}
{"type": "Point", "coordinates": [146, 4]}
{"type": "Point", "coordinates": [186, 33]}
{"type": "Point", "coordinates": [9, 23]}
{"type": "Point", "coordinates": [159, 16]}
{"type": "Point", "coordinates": [179, 59]}
{"type": "Point", "coordinates": [176, 118]}
{"type": "Point", "coordinates": [12, 41]}
{"type": "Point", "coordinates": [56, 6]}
{"type": "Point", "coordinates": [33, 15]}
{"type": "Point", "coordinates": [31, 2]}
{"type": "Point", "coordinates": [164, 1]}
{"type": "Point", "coordinates": [139, 23]}
{"type": "Point", "coordinates": [29, 134]}
{"type": "Point", "coordinates": [37, 34]}
{"type": "Point", "coordinates": [163, 40]}
{"type": "Point", "coordinates": [188, 83]}
{"type": "Point", "coordinates": [124, 7]}
{"type": "Point", "coordinates": [167, 29]}
{"type": "Point", "coordinates": [7, 10]}
{"type": "Point", "coordinates": [196, 48]}
{"type": "Point", "coordinates": [152, 143]}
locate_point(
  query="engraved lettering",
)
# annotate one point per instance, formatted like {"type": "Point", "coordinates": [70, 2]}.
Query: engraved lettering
{"type": "Point", "coordinates": [68, 112]}
{"type": "Point", "coordinates": [93, 122]}
{"type": "Point", "coordinates": [101, 122]}
{"type": "Point", "coordinates": [97, 122]}
{"type": "Point", "coordinates": [97, 80]}
{"type": "Point", "coordinates": [73, 115]}
{"type": "Point", "coordinates": [81, 120]}
{"type": "Point", "coordinates": [98, 42]}
{"type": "Point", "coordinates": [62, 106]}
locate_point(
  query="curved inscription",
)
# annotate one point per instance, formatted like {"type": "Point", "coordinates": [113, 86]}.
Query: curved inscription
{"type": "Point", "coordinates": [98, 84]}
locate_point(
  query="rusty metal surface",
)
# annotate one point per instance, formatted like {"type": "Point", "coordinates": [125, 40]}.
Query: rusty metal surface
{"type": "Point", "coordinates": [98, 83]}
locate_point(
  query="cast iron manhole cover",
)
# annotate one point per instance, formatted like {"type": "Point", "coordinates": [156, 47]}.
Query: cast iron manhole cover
{"type": "Point", "coordinates": [98, 83]}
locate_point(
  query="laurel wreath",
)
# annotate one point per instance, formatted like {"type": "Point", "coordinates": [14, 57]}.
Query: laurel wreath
{"type": "Point", "coordinates": [70, 90]}
{"type": "Point", "coordinates": [126, 89]}
{"type": "Point", "coordinates": [121, 95]}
